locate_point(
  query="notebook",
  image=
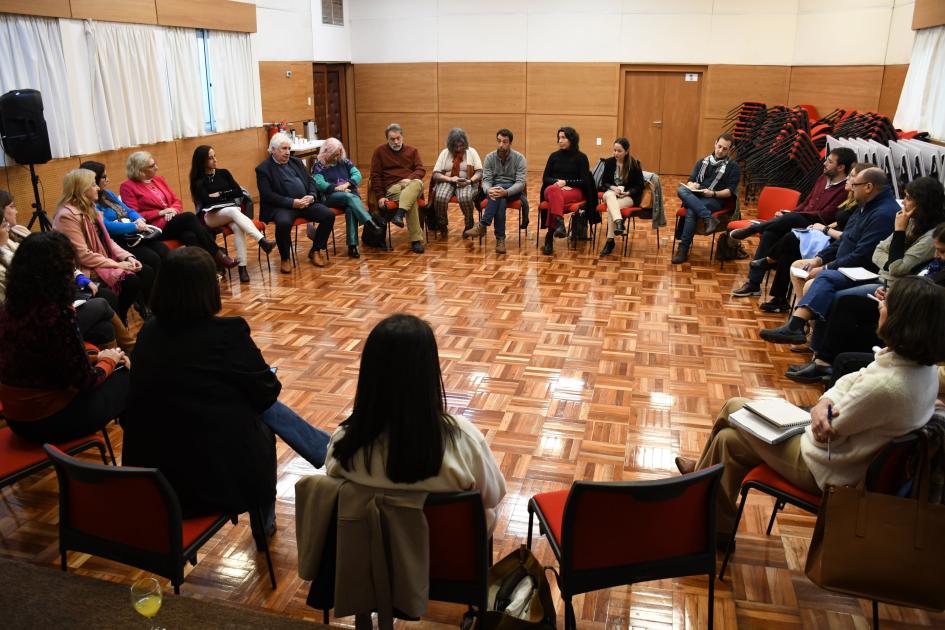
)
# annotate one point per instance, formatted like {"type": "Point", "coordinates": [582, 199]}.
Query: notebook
{"type": "Point", "coordinates": [754, 424]}
{"type": "Point", "coordinates": [779, 412]}
{"type": "Point", "coordinates": [800, 272]}
{"type": "Point", "coordinates": [858, 273]}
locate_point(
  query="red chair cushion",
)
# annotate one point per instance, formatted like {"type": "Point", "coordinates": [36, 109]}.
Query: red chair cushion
{"type": "Point", "coordinates": [738, 225]}
{"type": "Point", "coordinates": [764, 475]}
{"type": "Point", "coordinates": [626, 212]}
{"type": "Point", "coordinates": [568, 207]}
{"type": "Point", "coordinates": [551, 505]}
{"type": "Point", "coordinates": [682, 212]}
{"type": "Point", "coordinates": [17, 453]}
{"type": "Point", "coordinates": [172, 244]}
{"type": "Point", "coordinates": [300, 221]}
{"type": "Point", "coordinates": [193, 528]}
{"type": "Point", "coordinates": [421, 203]}
{"type": "Point", "coordinates": [515, 205]}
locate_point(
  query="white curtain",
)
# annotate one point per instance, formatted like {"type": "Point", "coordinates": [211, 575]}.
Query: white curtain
{"type": "Point", "coordinates": [922, 102]}
{"type": "Point", "coordinates": [235, 81]}
{"type": "Point", "coordinates": [33, 58]}
{"type": "Point", "coordinates": [183, 79]}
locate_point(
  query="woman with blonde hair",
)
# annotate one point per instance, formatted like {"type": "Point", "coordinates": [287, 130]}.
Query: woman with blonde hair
{"type": "Point", "coordinates": [149, 194]}
{"type": "Point", "coordinates": [97, 255]}
{"type": "Point", "coordinates": [338, 178]}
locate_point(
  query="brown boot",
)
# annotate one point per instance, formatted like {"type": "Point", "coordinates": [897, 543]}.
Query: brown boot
{"type": "Point", "coordinates": [124, 338]}
{"type": "Point", "coordinates": [223, 261]}
{"type": "Point", "coordinates": [285, 266]}
{"type": "Point", "coordinates": [685, 466]}
{"type": "Point", "coordinates": [319, 258]}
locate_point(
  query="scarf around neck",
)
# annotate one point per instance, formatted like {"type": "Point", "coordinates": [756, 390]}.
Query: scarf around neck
{"type": "Point", "coordinates": [710, 159]}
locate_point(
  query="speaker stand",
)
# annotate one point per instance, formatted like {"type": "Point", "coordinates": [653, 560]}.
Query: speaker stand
{"type": "Point", "coordinates": [38, 212]}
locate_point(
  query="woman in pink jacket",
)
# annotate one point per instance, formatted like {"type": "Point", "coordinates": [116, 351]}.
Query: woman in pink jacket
{"type": "Point", "coordinates": [98, 256]}
{"type": "Point", "coordinates": [149, 195]}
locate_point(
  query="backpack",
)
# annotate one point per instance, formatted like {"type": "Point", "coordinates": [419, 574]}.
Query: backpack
{"type": "Point", "coordinates": [579, 226]}
{"type": "Point", "coordinates": [373, 237]}
{"type": "Point", "coordinates": [729, 249]}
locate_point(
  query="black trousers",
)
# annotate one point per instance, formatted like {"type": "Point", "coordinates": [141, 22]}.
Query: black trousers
{"type": "Point", "coordinates": [851, 328]}
{"type": "Point", "coordinates": [88, 413]}
{"type": "Point", "coordinates": [187, 229]}
{"type": "Point", "coordinates": [772, 231]}
{"type": "Point", "coordinates": [787, 251]}
{"type": "Point", "coordinates": [285, 217]}
{"type": "Point", "coordinates": [849, 362]}
{"type": "Point", "coordinates": [95, 321]}
{"type": "Point", "coordinates": [150, 253]}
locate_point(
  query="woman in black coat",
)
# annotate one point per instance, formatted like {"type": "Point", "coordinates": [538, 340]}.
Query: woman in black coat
{"type": "Point", "coordinates": [622, 185]}
{"type": "Point", "coordinates": [567, 179]}
{"type": "Point", "coordinates": [204, 404]}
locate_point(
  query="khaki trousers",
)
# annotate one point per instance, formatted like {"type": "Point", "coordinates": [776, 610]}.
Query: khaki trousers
{"type": "Point", "coordinates": [740, 452]}
{"type": "Point", "coordinates": [406, 196]}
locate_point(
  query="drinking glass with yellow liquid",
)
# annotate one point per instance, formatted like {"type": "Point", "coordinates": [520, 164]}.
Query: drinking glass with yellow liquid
{"type": "Point", "coordinates": [146, 597]}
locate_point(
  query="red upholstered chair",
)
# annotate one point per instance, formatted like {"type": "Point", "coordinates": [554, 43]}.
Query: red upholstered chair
{"type": "Point", "coordinates": [460, 554]}
{"type": "Point", "coordinates": [172, 244]}
{"type": "Point", "coordinates": [771, 199]}
{"type": "Point", "coordinates": [129, 515]}
{"type": "Point", "coordinates": [227, 232]}
{"type": "Point", "coordinates": [608, 534]}
{"type": "Point", "coordinates": [728, 207]}
{"type": "Point", "coordinates": [512, 205]}
{"type": "Point", "coordinates": [21, 458]}
{"type": "Point", "coordinates": [630, 213]}
{"type": "Point", "coordinates": [299, 222]}
{"type": "Point", "coordinates": [569, 209]}
{"type": "Point", "coordinates": [391, 206]}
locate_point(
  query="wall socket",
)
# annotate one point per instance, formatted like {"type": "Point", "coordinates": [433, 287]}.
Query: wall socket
{"type": "Point", "coordinates": [309, 100]}
{"type": "Point", "coordinates": [599, 140]}
{"type": "Point", "coordinates": [288, 74]}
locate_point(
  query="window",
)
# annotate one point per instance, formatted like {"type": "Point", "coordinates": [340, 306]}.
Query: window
{"type": "Point", "coordinates": [206, 81]}
{"type": "Point", "coordinates": [333, 12]}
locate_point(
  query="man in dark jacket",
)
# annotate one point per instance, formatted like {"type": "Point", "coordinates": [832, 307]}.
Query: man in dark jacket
{"type": "Point", "coordinates": [714, 179]}
{"type": "Point", "coordinates": [871, 222]}
{"type": "Point", "coordinates": [287, 192]}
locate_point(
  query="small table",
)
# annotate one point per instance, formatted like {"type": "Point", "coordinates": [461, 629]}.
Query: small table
{"type": "Point", "coordinates": [306, 151]}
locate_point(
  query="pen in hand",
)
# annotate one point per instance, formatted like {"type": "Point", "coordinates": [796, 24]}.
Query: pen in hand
{"type": "Point", "coordinates": [829, 419]}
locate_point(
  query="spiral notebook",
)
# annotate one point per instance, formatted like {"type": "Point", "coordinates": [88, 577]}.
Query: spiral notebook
{"type": "Point", "coordinates": [779, 412]}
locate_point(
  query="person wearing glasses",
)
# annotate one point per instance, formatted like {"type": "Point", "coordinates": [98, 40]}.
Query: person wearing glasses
{"type": "Point", "coordinates": [871, 222]}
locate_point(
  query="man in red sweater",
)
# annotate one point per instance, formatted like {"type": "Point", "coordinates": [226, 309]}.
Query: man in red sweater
{"type": "Point", "coordinates": [397, 174]}
{"type": "Point", "coordinates": [820, 206]}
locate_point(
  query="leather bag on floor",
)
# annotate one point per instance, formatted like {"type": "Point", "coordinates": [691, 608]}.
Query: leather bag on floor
{"type": "Point", "coordinates": [881, 546]}
{"type": "Point", "coordinates": [507, 578]}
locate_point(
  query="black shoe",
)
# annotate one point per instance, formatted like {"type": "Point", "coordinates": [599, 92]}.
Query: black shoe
{"type": "Point", "coordinates": [560, 231]}
{"type": "Point", "coordinates": [618, 227]}
{"type": "Point", "coordinates": [741, 233]}
{"type": "Point", "coordinates": [608, 248]}
{"type": "Point", "coordinates": [417, 247]}
{"type": "Point", "coordinates": [524, 223]}
{"type": "Point", "coordinates": [747, 290]}
{"type": "Point", "coordinates": [761, 263]}
{"type": "Point", "coordinates": [398, 218]}
{"type": "Point", "coordinates": [783, 334]}
{"type": "Point", "coordinates": [775, 305]}
{"type": "Point", "coordinates": [812, 373]}
{"type": "Point", "coordinates": [549, 247]}
{"type": "Point", "coordinates": [710, 225]}
{"type": "Point", "coordinates": [266, 245]}
{"type": "Point", "coordinates": [682, 255]}
{"type": "Point", "coordinates": [244, 274]}
{"type": "Point", "coordinates": [353, 252]}
{"type": "Point", "coordinates": [797, 367]}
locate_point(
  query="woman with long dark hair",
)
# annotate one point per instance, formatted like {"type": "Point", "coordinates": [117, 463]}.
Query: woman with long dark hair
{"type": "Point", "coordinates": [51, 389]}
{"type": "Point", "coordinates": [399, 435]}
{"type": "Point", "coordinates": [622, 185]}
{"type": "Point", "coordinates": [217, 198]}
{"type": "Point", "coordinates": [567, 179]}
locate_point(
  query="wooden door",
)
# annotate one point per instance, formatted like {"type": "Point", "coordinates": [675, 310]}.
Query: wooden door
{"type": "Point", "coordinates": [330, 110]}
{"type": "Point", "coordinates": [661, 119]}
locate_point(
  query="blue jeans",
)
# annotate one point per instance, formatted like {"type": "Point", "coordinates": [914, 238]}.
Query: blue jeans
{"type": "Point", "coordinates": [697, 208]}
{"type": "Point", "coordinates": [355, 213]}
{"type": "Point", "coordinates": [817, 339]}
{"type": "Point", "coordinates": [306, 440]}
{"type": "Point", "coordinates": [495, 208]}
{"type": "Point", "coordinates": [824, 289]}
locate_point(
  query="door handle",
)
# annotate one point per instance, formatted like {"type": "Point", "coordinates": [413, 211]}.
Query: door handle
{"type": "Point", "coordinates": [657, 123]}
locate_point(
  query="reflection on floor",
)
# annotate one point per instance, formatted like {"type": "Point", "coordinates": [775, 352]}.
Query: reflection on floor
{"type": "Point", "coordinates": [574, 367]}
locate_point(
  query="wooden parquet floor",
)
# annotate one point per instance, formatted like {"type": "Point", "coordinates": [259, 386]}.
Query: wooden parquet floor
{"type": "Point", "coordinates": [573, 367]}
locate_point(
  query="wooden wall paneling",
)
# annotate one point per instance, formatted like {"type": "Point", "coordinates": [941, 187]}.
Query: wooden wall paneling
{"type": "Point", "coordinates": [420, 131]}
{"type": "Point", "coordinates": [541, 136]}
{"type": "Point", "coordinates": [396, 87]}
{"type": "Point", "coordinates": [220, 15]}
{"type": "Point", "coordinates": [928, 13]}
{"type": "Point", "coordinates": [830, 87]}
{"type": "Point", "coordinates": [893, 79]}
{"type": "Point", "coordinates": [481, 87]}
{"type": "Point", "coordinates": [572, 88]}
{"type": "Point", "coordinates": [727, 86]}
{"type": "Point", "coordinates": [481, 130]}
{"type": "Point", "coordinates": [43, 8]}
{"type": "Point", "coordinates": [237, 151]}
{"type": "Point", "coordinates": [709, 131]}
{"type": "Point", "coordinates": [351, 113]}
{"type": "Point", "coordinates": [286, 98]}
{"type": "Point", "coordinates": [132, 11]}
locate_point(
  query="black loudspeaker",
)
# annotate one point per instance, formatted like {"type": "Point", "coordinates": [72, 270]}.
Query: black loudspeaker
{"type": "Point", "coordinates": [23, 127]}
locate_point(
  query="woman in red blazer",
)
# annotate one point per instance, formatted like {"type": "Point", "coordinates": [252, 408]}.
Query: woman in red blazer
{"type": "Point", "coordinates": [148, 194]}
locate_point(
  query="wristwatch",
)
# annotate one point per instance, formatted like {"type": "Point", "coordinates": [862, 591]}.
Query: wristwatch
{"type": "Point", "coordinates": [826, 230]}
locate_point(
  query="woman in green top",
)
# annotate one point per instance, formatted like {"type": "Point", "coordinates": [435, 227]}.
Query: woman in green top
{"type": "Point", "coordinates": [337, 178]}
